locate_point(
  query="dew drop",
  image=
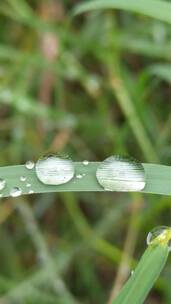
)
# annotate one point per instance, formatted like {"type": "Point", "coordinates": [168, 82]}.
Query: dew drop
{"type": "Point", "coordinates": [31, 191]}
{"type": "Point", "coordinates": [160, 235]}
{"type": "Point", "coordinates": [15, 192]}
{"type": "Point", "coordinates": [54, 170]}
{"type": "Point", "coordinates": [79, 176]}
{"type": "Point", "coordinates": [85, 162]}
{"type": "Point", "coordinates": [121, 174]}
{"type": "Point", "coordinates": [28, 185]}
{"type": "Point", "coordinates": [2, 183]}
{"type": "Point", "coordinates": [1, 195]}
{"type": "Point", "coordinates": [29, 164]}
{"type": "Point", "coordinates": [22, 178]}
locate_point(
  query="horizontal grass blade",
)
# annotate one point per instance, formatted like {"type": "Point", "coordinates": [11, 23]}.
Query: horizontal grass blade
{"type": "Point", "coordinates": [153, 8]}
{"type": "Point", "coordinates": [147, 271]}
{"type": "Point", "coordinates": [158, 179]}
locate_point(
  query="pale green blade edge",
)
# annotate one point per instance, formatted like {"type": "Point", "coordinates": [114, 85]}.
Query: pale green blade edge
{"type": "Point", "coordinates": [158, 179]}
{"type": "Point", "coordinates": [153, 8]}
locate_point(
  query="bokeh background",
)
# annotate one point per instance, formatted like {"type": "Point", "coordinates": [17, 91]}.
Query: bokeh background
{"type": "Point", "coordinates": [89, 87]}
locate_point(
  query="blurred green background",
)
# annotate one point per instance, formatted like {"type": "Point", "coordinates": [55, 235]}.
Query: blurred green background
{"type": "Point", "coordinates": [89, 87]}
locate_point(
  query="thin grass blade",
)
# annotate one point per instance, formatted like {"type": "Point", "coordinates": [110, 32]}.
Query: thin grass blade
{"type": "Point", "coordinates": [146, 273]}
{"type": "Point", "coordinates": [152, 8]}
{"type": "Point", "coordinates": [158, 180]}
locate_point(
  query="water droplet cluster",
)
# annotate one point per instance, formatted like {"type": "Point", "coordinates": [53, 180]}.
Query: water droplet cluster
{"type": "Point", "coordinates": [113, 174]}
{"type": "Point", "coordinates": [16, 191]}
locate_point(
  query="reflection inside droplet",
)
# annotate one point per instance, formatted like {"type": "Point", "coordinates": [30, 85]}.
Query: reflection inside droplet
{"type": "Point", "coordinates": [121, 174]}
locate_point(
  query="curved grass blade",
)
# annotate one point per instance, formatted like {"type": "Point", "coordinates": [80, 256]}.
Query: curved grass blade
{"type": "Point", "coordinates": [158, 180]}
{"type": "Point", "coordinates": [153, 8]}
{"type": "Point", "coordinates": [146, 273]}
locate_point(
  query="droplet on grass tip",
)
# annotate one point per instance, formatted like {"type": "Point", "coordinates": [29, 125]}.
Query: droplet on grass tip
{"type": "Point", "coordinates": [15, 192]}
{"type": "Point", "coordinates": [2, 183]}
{"type": "Point", "coordinates": [30, 164]}
{"type": "Point", "coordinates": [160, 235]}
{"type": "Point", "coordinates": [54, 170]}
{"type": "Point", "coordinates": [121, 174]}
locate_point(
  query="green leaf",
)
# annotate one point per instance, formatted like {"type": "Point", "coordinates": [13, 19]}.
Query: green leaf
{"type": "Point", "coordinates": [153, 8]}
{"type": "Point", "coordinates": [158, 179]}
{"type": "Point", "coordinates": [147, 271]}
{"type": "Point", "coordinates": [163, 71]}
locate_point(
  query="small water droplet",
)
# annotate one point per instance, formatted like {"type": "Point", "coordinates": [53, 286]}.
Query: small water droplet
{"type": "Point", "coordinates": [160, 235]}
{"type": "Point", "coordinates": [15, 192]}
{"type": "Point", "coordinates": [2, 183]}
{"type": "Point", "coordinates": [79, 176]}
{"type": "Point", "coordinates": [1, 195]}
{"type": "Point", "coordinates": [54, 170]}
{"type": "Point", "coordinates": [132, 272]}
{"type": "Point", "coordinates": [31, 191]}
{"type": "Point", "coordinates": [28, 185]}
{"type": "Point", "coordinates": [85, 162]}
{"type": "Point", "coordinates": [29, 164]}
{"type": "Point", "coordinates": [121, 174]}
{"type": "Point", "coordinates": [22, 178]}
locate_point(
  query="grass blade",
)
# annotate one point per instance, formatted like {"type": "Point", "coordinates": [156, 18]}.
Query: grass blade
{"type": "Point", "coordinates": [158, 179]}
{"type": "Point", "coordinates": [146, 273]}
{"type": "Point", "coordinates": [153, 8]}
{"type": "Point", "coordinates": [152, 262]}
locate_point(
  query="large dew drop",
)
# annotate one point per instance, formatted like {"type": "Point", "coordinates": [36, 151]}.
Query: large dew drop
{"type": "Point", "coordinates": [54, 170]}
{"type": "Point", "coordinates": [15, 192]}
{"type": "Point", "coordinates": [160, 235]}
{"type": "Point", "coordinates": [121, 174]}
{"type": "Point", "coordinates": [2, 183]}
